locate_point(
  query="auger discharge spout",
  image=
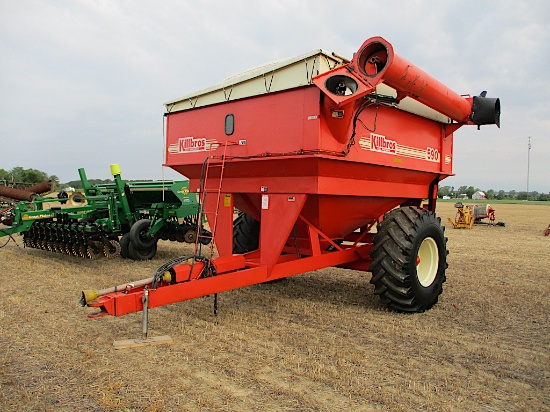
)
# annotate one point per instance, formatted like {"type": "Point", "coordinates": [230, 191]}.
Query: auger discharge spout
{"type": "Point", "coordinates": [376, 62]}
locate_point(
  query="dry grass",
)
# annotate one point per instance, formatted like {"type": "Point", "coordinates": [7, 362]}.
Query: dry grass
{"type": "Point", "coordinates": [316, 342]}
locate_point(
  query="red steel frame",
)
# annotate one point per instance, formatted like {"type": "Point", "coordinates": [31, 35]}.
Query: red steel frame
{"type": "Point", "coordinates": [291, 165]}
{"type": "Point", "coordinates": [236, 271]}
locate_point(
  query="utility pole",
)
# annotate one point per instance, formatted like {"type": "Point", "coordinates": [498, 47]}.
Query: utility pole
{"type": "Point", "coordinates": [528, 161]}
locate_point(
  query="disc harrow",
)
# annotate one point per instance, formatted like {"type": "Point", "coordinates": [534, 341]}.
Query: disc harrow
{"type": "Point", "coordinates": [144, 212]}
{"type": "Point", "coordinates": [71, 237]}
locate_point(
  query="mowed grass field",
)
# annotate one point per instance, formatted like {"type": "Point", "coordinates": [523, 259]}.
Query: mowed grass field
{"type": "Point", "coordinates": [320, 341]}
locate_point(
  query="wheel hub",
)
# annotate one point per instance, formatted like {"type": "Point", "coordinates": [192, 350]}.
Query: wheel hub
{"type": "Point", "coordinates": [427, 262]}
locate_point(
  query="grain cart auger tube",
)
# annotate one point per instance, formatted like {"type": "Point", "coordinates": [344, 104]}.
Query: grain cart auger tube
{"type": "Point", "coordinates": [288, 144]}
{"type": "Point", "coordinates": [108, 219]}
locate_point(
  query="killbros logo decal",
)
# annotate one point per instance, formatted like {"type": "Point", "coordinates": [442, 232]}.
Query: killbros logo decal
{"type": "Point", "coordinates": [191, 144]}
{"type": "Point", "coordinates": [380, 143]}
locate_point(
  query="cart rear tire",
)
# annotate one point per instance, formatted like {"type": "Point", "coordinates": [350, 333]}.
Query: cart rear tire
{"type": "Point", "coordinates": [246, 234]}
{"type": "Point", "coordinates": [137, 235]}
{"type": "Point", "coordinates": [409, 259]}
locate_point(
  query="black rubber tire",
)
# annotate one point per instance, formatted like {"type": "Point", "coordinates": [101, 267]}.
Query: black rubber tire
{"type": "Point", "coordinates": [163, 233]}
{"type": "Point", "coordinates": [246, 234]}
{"type": "Point", "coordinates": [205, 237]}
{"type": "Point", "coordinates": [124, 244]}
{"type": "Point", "coordinates": [394, 259]}
{"type": "Point", "coordinates": [137, 235]}
{"type": "Point", "coordinates": [190, 236]}
{"type": "Point", "coordinates": [137, 254]}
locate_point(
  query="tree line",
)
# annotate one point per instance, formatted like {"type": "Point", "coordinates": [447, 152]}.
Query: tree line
{"type": "Point", "coordinates": [32, 176]}
{"type": "Point", "coordinates": [21, 175]}
{"type": "Point", "coordinates": [77, 184]}
{"type": "Point", "coordinates": [490, 194]}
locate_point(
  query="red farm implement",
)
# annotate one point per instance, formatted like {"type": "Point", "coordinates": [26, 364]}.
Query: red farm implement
{"type": "Point", "coordinates": [315, 152]}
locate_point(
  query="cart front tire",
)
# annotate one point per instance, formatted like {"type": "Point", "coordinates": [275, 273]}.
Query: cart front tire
{"type": "Point", "coordinates": [409, 259]}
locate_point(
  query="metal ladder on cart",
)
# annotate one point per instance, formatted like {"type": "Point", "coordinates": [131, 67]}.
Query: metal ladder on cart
{"type": "Point", "coordinates": [202, 238]}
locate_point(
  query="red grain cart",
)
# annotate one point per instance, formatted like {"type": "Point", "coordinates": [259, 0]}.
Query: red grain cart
{"type": "Point", "coordinates": [315, 152]}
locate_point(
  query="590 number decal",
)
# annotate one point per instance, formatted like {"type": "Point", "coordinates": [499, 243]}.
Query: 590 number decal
{"type": "Point", "coordinates": [432, 154]}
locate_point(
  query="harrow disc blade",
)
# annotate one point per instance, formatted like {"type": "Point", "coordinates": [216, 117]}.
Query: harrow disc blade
{"type": "Point", "coordinates": [75, 249]}
{"type": "Point", "coordinates": [94, 251]}
{"type": "Point", "coordinates": [111, 250]}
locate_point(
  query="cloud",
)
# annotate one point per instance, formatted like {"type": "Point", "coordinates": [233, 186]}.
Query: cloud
{"type": "Point", "coordinates": [83, 82]}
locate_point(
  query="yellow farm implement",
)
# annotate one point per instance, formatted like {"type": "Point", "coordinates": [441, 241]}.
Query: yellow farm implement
{"type": "Point", "coordinates": [464, 219]}
{"type": "Point", "coordinates": [468, 216]}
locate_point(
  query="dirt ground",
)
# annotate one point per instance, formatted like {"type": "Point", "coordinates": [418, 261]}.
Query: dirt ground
{"type": "Point", "coordinates": [320, 341]}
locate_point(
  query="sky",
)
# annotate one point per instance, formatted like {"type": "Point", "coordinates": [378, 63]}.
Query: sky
{"type": "Point", "coordinates": [82, 82]}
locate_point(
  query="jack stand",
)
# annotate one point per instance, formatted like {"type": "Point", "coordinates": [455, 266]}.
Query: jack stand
{"type": "Point", "coordinates": [215, 304]}
{"type": "Point", "coordinates": [122, 344]}
{"type": "Point", "coordinates": [145, 317]}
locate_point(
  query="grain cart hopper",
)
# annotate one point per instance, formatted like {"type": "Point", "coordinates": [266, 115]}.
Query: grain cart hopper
{"type": "Point", "coordinates": [125, 217]}
{"type": "Point", "coordinates": [314, 151]}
